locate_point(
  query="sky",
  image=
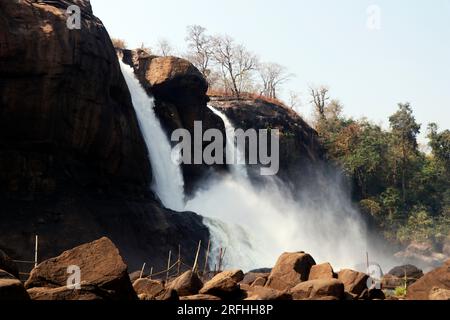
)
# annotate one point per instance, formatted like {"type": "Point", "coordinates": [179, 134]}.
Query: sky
{"type": "Point", "coordinates": [371, 54]}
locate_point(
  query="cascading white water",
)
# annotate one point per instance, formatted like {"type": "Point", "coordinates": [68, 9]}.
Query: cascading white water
{"type": "Point", "coordinates": [257, 225]}
{"type": "Point", "coordinates": [168, 181]}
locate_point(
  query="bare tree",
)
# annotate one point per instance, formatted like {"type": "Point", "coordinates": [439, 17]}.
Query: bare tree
{"type": "Point", "coordinates": [200, 49]}
{"type": "Point", "coordinates": [164, 48]}
{"type": "Point", "coordinates": [272, 76]}
{"type": "Point", "coordinates": [320, 99]}
{"type": "Point", "coordinates": [235, 61]}
{"type": "Point", "coordinates": [294, 100]}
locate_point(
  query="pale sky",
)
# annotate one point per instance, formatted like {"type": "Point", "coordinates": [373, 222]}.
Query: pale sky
{"type": "Point", "coordinates": [320, 41]}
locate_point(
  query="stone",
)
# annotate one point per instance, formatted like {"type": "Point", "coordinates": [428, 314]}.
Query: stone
{"type": "Point", "coordinates": [257, 293]}
{"type": "Point", "coordinates": [437, 279]}
{"type": "Point", "coordinates": [200, 297]}
{"type": "Point", "coordinates": [439, 294]}
{"type": "Point", "coordinates": [290, 270]}
{"type": "Point", "coordinates": [259, 282]}
{"type": "Point", "coordinates": [11, 289]}
{"type": "Point", "coordinates": [100, 264]}
{"type": "Point", "coordinates": [8, 265]}
{"type": "Point", "coordinates": [328, 289]}
{"type": "Point", "coordinates": [354, 282]}
{"type": "Point", "coordinates": [250, 277]}
{"type": "Point", "coordinates": [322, 271]}
{"type": "Point", "coordinates": [188, 284]}
{"type": "Point", "coordinates": [86, 293]}
{"type": "Point", "coordinates": [412, 273]}
{"type": "Point", "coordinates": [224, 285]}
{"type": "Point", "coordinates": [147, 287]}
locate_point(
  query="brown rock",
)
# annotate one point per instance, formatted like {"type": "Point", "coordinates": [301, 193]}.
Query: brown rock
{"type": "Point", "coordinates": [101, 266]}
{"type": "Point", "coordinates": [11, 289]}
{"type": "Point", "coordinates": [439, 294]}
{"type": "Point", "coordinates": [318, 289]}
{"type": "Point", "coordinates": [86, 293]}
{"type": "Point", "coordinates": [168, 295]}
{"type": "Point", "coordinates": [290, 270]}
{"type": "Point", "coordinates": [200, 297]}
{"type": "Point", "coordinates": [8, 265]}
{"type": "Point", "coordinates": [438, 278]}
{"type": "Point", "coordinates": [259, 282]}
{"type": "Point", "coordinates": [322, 271]}
{"type": "Point", "coordinates": [412, 273]}
{"type": "Point", "coordinates": [188, 284]}
{"type": "Point", "coordinates": [224, 285]}
{"type": "Point", "coordinates": [250, 277]}
{"type": "Point", "coordinates": [354, 282]}
{"type": "Point", "coordinates": [391, 282]}
{"type": "Point", "coordinates": [257, 293]}
{"type": "Point", "coordinates": [147, 287]}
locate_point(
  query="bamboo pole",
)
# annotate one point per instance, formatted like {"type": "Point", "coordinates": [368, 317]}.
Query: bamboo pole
{"type": "Point", "coordinates": [206, 257]}
{"type": "Point", "coordinates": [142, 271]}
{"type": "Point", "coordinates": [196, 256]}
{"type": "Point", "coordinates": [151, 273]}
{"type": "Point", "coordinates": [168, 265]}
{"type": "Point", "coordinates": [36, 246]}
{"type": "Point", "coordinates": [179, 260]}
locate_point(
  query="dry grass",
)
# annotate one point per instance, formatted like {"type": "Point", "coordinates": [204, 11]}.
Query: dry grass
{"type": "Point", "coordinates": [244, 96]}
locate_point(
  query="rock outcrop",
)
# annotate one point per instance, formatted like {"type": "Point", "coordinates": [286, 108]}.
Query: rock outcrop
{"type": "Point", "coordinates": [73, 164]}
{"type": "Point", "coordinates": [355, 283]}
{"type": "Point", "coordinates": [321, 289]}
{"type": "Point", "coordinates": [149, 288]}
{"type": "Point", "coordinates": [322, 271]}
{"type": "Point", "coordinates": [180, 96]}
{"type": "Point", "coordinates": [224, 285]}
{"type": "Point", "coordinates": [188, 284]}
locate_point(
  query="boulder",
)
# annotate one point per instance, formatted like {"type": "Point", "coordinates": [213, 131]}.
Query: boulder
{"type": "Point", "coordinates": [100, 264]}
{"type": "Point", "coordinates": [354, 282]}
{"type": "Point", "coordinates": [150, 288]}
{"type": "Point", "coordinates": [168, 295]}
{"type": "Point", "coordinates": [86, 293]}
{"type": "Point", "coordinates": [439, 294]}
{"type": "Point", "coordinates": [391, 282]}
{"type": "Point", "coordinates": [259, 282]}
{"type": "Point", "coordinates": [436, 279]}
{"type": "Point", "coordinates": [328, 289]}
{"type": "Point", "coordinates": [11, 289]}
{"type": "Point", "coordinates": [422, 253]}
{"type": "Point", "coordinates": [188, 284]}
{"type": "Point", "coordinates": [412, 273]}
{"type": "Point", "coordinates": [290, 270]}
{"type": "Point", "coordinates": [250, 277]}
{"type": "Point", "coordinates": [8, 265]}
{"type": "Point", "coordinates": [322, 271]}
{"type": "Point", "coordinates": [257, 293]}
{"type": "Point", "coordinates": [200, 297]}
{"type": "Point", "coordinates": [224, 285]}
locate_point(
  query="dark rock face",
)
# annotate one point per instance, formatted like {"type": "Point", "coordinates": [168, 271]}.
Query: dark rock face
{"type": "Point", "coordinates": [180, 96]}
{"type": "Point", "coordinates": [73, 163]}
{"type": "Point", "coordinates": [8, 265]}
{"type": "Point", "coordinates": [300, 149]}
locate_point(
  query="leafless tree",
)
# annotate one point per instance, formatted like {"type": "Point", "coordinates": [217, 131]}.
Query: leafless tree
{"type": "Point", "coordinates": [235, 61]}
{"type": "Point", "coordinates": [200, 47]}
{"type": "Point", "coordinates": [164, 48]}
{"type": "Point", "coordinates": [320, 99]}
{"type": "Point", "coordinates": [294, 100]}
{"type": "Point", "coordinates": [272, 76]}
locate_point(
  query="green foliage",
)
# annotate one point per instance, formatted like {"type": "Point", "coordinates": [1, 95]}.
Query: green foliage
{"type": "Point", "coordinates": [400, 292]}
{"type": "Point", "coordinates": [405, 191]}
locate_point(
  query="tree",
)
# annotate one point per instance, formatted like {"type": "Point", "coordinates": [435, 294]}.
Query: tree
{"type": "Point", "coordinates": [440, 144]}
{"type": "Point", "coordinates": [235, 61]}
{"type": "Point", "coordinates": [320, 99]}
{"type": "Point", "coordinates": [404, 141]}
{"type": "Point", "coordinates": [164, 48]}
{"type": "Point", "coordinates": [200, 47]}
{"type": "Point", "coordinates": [272, 76]}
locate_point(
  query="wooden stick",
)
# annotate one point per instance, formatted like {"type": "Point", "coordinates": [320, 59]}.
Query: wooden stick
{"type": "Point", "coordinates": [151, 273]}
{"type": "Point", "coordinates": [196, 256]}
{"type": "Point", "coordinates": [142, 271]}
{"type": "Point", "coordinates": [168, 265]}
{"type": "Point", "coordinates": [179, 260]}
{"type": "Point", "coordinates": [207, 256]}
{"type": "Point", "coordinates": [36, 246]}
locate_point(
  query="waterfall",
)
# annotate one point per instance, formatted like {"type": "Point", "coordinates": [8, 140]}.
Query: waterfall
{"type": "Point", "coordinates": [168, 183]}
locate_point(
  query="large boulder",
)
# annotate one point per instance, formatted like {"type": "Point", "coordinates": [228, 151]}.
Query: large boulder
{"type": "Point", "coordinates": [147, 287]}
{"type": "Point", "coordinates": [224, 285]}
{"type": "Point", "coordinates": [8, 265]}
{"type": "Point", "coordinates": [355, 282]}
{"type": "Point", "coordinates": [258, 293]}
{"type": "Point", "coordinates": [251, 277]}
{"type": "Point", "coordinates": [188, 284]}
{"type": "Point", "coordinates": [439, 294]}
{"type": "Point", "coordinates": [438, 278]}
{"type": "Point", "coordinates": [322, 271]}
{"type": "Point", "coordinates": [408, 273]}
{"type": "Point", "coordinates": [321, 289]}
{"type": "Point", "coordinates": [180, 96]}
{"type": "Point", "coordinates": [100, 264]}
{"type": "Point", "coordinates": [11, 289]}
{"type": "Point", "coordinates": [290, 270]}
